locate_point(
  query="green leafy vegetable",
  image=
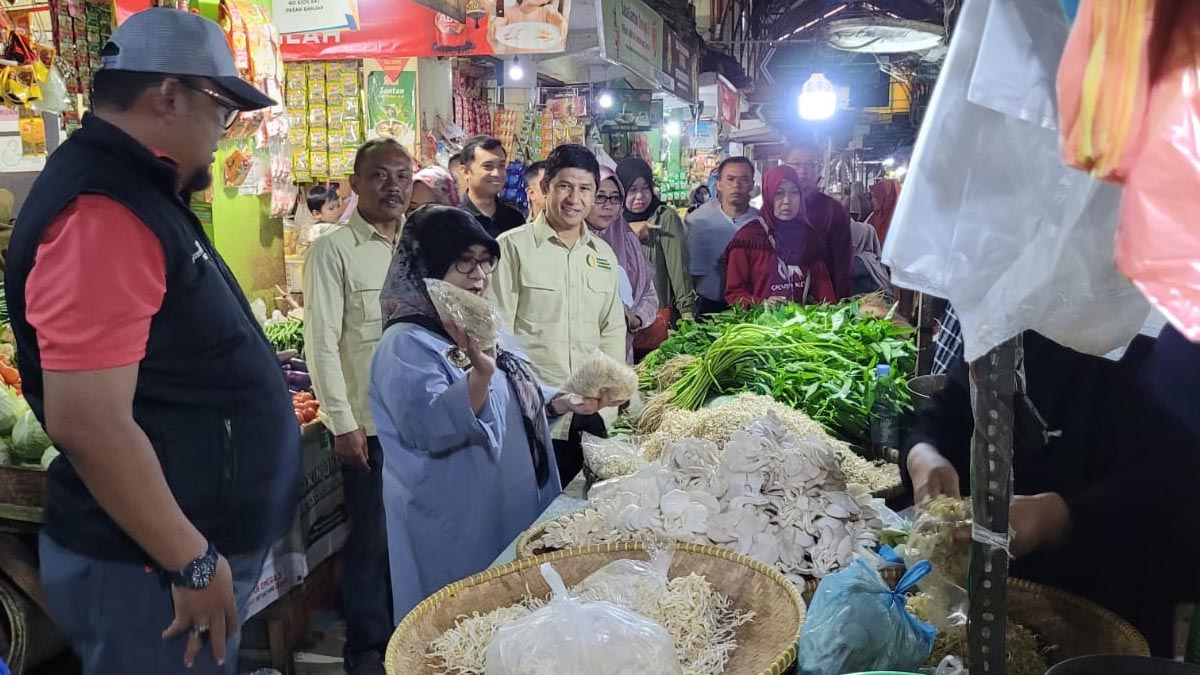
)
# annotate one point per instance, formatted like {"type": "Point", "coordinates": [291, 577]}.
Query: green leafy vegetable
{"type": "Point", "coordinates": [819, 359]}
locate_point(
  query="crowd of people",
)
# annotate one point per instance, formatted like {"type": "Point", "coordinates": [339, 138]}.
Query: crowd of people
{"type": "Point", "coordinates": [451, 449]}
{"type": "Point", "coordinates": [180, 465]}
{"type": "Point", "coordinates": [180, 449]}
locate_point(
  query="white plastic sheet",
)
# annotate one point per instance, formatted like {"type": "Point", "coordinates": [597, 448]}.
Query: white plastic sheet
{"type": "Point", "coordinates": [989, 217]}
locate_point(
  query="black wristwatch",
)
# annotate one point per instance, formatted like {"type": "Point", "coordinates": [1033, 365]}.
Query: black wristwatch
{"type": "Point", "coordinates": [197, 574]}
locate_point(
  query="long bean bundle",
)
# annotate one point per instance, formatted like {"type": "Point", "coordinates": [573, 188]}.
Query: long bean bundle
{"type": "Point", "coordinates": [820, 359]}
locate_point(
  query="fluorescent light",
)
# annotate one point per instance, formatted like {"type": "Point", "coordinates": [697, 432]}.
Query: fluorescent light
{"type": "Point", "coordinates": [818, 100]}
{"type": "Point", "coordinates": [672, 128]}
{"type": "Point", "coordinates": [605, 100]}
{"type": "Point", "coordinates": [516, 71]}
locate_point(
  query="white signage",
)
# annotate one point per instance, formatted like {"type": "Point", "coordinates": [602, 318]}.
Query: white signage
{"type": "Point", "coordinates": [313, 16]}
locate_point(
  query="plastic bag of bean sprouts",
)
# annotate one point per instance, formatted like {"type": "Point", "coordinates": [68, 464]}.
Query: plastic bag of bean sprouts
{"type": "Point", "coordinates": [612, 457]}
{"type": "Point", "coordinates": [570, 636]}
{"type": "Point", "coordinates": [474, 314]}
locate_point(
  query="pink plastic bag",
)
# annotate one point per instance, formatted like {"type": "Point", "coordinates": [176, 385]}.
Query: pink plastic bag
{"type": "Point", "coordinates": [1158, 244]}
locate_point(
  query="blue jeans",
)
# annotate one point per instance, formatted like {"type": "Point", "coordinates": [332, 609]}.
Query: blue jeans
{"type": "Point", "coordinates": [114, 613]}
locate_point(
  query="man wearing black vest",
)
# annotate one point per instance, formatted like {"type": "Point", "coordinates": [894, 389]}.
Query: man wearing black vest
{"type": "Point", "coordinates": [139, 353]}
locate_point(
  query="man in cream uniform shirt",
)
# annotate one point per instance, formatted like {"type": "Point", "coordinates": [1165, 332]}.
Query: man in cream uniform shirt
{"type": "Point", "coordinates": [557, 286]}
{"type": "Point", "coordinates": [343, 274]}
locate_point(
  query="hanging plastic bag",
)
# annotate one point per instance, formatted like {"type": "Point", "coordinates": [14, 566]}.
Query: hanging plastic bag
{"type": "Point", "coordinates": [857, 624]}
{"type": "Point", "coordinates": [570, 636]}
{"type": "Point", "coordinates": [54, 93]}
{"type": "Point", "coordinates": [612, 457]}
{"type": "Point", "coordinates": [1158, 244]}
{"type": "Point", "coordinates": [989, 217]}
{"type": "Point", "coordinates": [1104, 84]}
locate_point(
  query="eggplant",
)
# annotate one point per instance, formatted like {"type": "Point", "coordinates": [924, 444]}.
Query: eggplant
{"type": "Point", "coordinates": [298, 380]}
{"type": "Point", "coordinates": [285, 356]}
{"type": "Point", "coordinates": [298, 365]}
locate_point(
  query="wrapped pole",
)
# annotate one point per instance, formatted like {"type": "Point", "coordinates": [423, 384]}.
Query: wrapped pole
{"type": "Point", "coordinates": [994, 387]}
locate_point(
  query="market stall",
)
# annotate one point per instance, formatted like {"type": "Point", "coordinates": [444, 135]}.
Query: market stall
{"type": "Point", "coordinates": [757, 482]}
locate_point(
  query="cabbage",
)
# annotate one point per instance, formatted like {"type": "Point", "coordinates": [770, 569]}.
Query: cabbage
{"type": "Point", "coordinates": [5, 456]}
{"type": "Point", "coordinates": [29, 440]}
{"type": "Point", "coordinates": [48, 457]}
{"type": "Point", "coordinates": [10, 410]}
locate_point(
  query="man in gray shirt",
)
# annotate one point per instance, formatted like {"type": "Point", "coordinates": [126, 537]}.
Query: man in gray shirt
{"type": "Point", "coordinates": [711, 228]}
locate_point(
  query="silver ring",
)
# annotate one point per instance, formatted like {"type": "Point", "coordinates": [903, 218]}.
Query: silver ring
{"type": "Point", "coordinates": [199, 630]}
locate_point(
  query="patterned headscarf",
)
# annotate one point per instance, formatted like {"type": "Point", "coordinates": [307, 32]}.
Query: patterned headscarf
{"type": "Point", "coordinates": [430, 232]}
{"type": "Point", "coordinates": [441, 182]}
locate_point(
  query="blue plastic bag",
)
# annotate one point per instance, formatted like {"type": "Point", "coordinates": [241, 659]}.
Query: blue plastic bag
{"type": "Point", "coordinates": [857, 624]}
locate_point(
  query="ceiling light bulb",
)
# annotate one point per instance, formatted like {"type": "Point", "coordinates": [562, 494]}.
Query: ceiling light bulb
{"type": "Point", "coordinates": [899, 173]}
{"type": "Point", "coordinates": [516, 71]}
{"type": "Point", "coordinates": [606, 100]}
{"type": "Point", "coordinates": [673, 128]}
{"type": "Point", "coordinates": [818, 100]}
{"type": "Point", "coordinates": [889, 162]}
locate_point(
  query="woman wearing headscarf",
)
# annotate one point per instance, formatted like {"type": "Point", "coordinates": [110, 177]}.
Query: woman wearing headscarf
{"type": "Point", "coordinates": [778, 256]}
{"type": "Point", "coordinates": [869, 273]}
{"type": "Point", "coordinates": [638, 293]}
{"type": "Point", "coordinates": [468, 459]}
{"type": "Point", "coordinates": [884, 196]}
{"type": "Point", "coordinates": [433, 185]}
{"type": "Point", "coordinates": [664, 243]}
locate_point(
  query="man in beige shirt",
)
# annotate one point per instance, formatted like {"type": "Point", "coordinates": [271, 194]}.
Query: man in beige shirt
{"type": "Point", "coordinates": [557, 286]}
{"type": "Point", "coordinates": [343, 274]}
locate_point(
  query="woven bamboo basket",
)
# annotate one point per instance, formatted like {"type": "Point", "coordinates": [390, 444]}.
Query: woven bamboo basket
{"type": "Point", "coordinates": [1073, 625]}
{"type": "Point", "coordinates": [766, 646]}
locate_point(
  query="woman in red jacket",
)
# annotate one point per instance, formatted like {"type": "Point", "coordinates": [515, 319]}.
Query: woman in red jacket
{"type": "Point", "coordinates": [778, 256]}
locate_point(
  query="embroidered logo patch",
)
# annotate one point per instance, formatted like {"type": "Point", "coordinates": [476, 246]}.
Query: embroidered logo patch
{"type": "Point", "coordinates": [601, 263]}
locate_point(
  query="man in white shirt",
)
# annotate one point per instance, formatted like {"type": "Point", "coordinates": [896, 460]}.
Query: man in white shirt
{"type": "Point", "coordinates": [711, 227]}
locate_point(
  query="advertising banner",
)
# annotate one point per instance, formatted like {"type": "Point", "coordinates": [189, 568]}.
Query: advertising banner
{"type": "Point", "coordinates": [679, 65]}
{"type": "Point", "coordinates": [372, 29]}
{"type": "Point", "coordinates": [400, 28]}
{"type": "Point", "coordinates": [631, 34]}
{"type": "Point", "coordinates": [728, 103]}
{"type": "Point", "coordinates": [630, 111]}
{"type": "Point", "coordinates": [305, 16]}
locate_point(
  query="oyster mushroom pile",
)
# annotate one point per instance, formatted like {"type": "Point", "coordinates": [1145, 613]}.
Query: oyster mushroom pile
{"type": "Point", "coordinates": [778, 498]}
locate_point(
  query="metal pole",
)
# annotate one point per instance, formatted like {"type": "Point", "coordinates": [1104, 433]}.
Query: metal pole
{"type": "Point", "coordinates": [993, 396]}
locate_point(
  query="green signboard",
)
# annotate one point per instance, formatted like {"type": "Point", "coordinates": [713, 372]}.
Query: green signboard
{"type": "Point", "coordinates": [631, 34]}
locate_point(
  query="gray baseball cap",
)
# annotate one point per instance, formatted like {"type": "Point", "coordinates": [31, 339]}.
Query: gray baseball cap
{"type": "Point", "coordinates": [173, 42]}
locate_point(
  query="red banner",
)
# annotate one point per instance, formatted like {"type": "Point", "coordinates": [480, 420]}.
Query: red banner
{"type": "Point", "coordinates": [401, 28]}
{"type": "Point", "coordinates": [728, 103]}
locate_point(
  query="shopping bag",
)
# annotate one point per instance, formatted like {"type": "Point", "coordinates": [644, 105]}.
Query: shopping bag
{"type": "Point", "coordinates": [1158, 245]}
{"type": "Point", "coordinates": [990, 218]}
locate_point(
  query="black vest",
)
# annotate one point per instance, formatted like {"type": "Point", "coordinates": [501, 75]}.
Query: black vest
{"type": "Point", "coordinates": [210, 394]}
